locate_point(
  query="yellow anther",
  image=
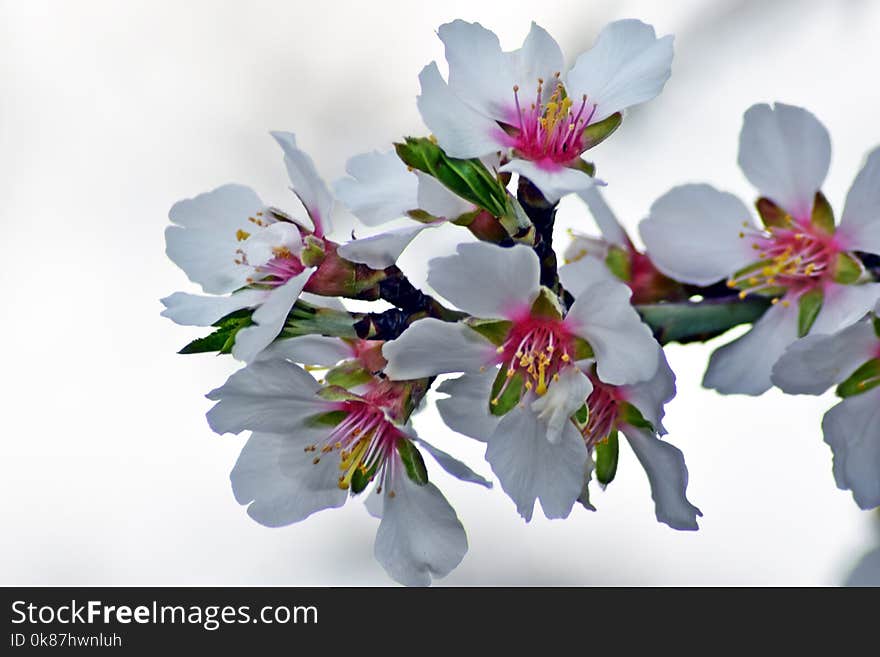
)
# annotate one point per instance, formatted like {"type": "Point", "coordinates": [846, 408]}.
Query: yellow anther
{"type": "Point", "coordinates": [743, 294]}
{"type": "Point", "coordinates": [241, 235]}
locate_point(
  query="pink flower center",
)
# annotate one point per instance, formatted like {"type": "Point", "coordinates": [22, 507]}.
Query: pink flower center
{"type": "Point", "coordinates": [602, 406]}
{"type": "Point", "coordinates": [364, 440]}
{"type": "Point", "coordinates": [796, 257]}
{"type": "Point", "coordinates": [536, 348]}
{"type": "Point", "coordinates": [279, 269]}
{"type": "Point", "coordinates": [550, 133]}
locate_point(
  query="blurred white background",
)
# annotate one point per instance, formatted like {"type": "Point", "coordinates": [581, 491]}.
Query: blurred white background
{"type": "Point", "coordinates": [111, 111]}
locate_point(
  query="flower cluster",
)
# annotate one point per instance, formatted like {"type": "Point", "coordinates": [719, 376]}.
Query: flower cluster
{"type": "Point", "coordinates": [546, 363]}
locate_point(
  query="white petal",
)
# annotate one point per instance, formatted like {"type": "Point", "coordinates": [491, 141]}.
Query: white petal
{"type": "Point", "coordinates": [583, 247]}
{"type": "Point", "coordinates": [852, 430]}
{"type": "Point", "coordinates": [204, 241]}
{"type": "Point", "coordinates": [466, 410]}
{"type": "Point", "coordinates": [649, 397]}
{"type": "Point", "coordinates": [692, 234]}
{"type": "Point", "coordinates": [306, 183]}
{"type": "Point", "coordinates": [784, 151]}
{"type": "Point", "coordinates": [196, 310]}
{"type": "Point", "coordinates": [383, 250]}
{"type": "Point", "coordinates": [309, 350]}
{"type": "Point", "coordinates": [268, 395]}
{"type": "Point", "coordinates": [279, 481]}
{"type": "Point", "coordinates": [452, 465]}
{"type": "Point", "coordinates": [269, 318]}
{"type": "Point", "coordinates": [431, 346]}
{"type": "Point", "coordinates": [845, 304]}
{"type": "Point", "coordinates": [626, 351]}
{"type": "Point", "coordinates": [744, 365]}
{"type": "Point", "coordinates": [479, 72]}
{"type": "Point", "coordinates": [539, 57]}
{"type": "Point", "coordinates": [668, 475]}
{"type": "Point", "coordinates": [608, 224]}
{"type": "Point", "coordinates": [578, 275]}
{"type": "Point", "coordinates": [380, 187]}
{"type": "Point", "coordinates": [562, 399]}
{"type": "Point", "coordinates": [530, 467]}
{"type": "Point", "coordinates": [815, 363]}
{"type": "Point", "coordinates": [626, 66]}
{"type": "Point", "coordinates": [420, 536]}
{"type": "Point", "coordinates": [460, 130]}
{"type": "Point", "coordinates": [437, 200]}
{"type": "Point", "coordinates": [486, 280]}
{"type": "Point", "coordinates": [866, 571]}
{"type": "Point", "coordinates": [334, 303]}
{"type": "Point", "coordinates": [260, 247]}
{"type": "Point", "coordinates": [554, 182]}
{"type": "Point", "coordinates": [860, 223]}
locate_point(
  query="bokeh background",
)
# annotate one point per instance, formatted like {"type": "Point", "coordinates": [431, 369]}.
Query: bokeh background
{"type": "Point", "coordinates": [111, 111]}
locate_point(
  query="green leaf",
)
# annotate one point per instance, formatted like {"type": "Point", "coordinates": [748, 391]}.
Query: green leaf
{"type": "Point", "coordinates": [618, 263]}
{"type": "Point", "coordinates": [809, 306]}
{"type": "Point", "coordinates": [848, 269]}
{"type": "Point", "coordinates": [494, 330]}
{"type": "Point", "coordinates": [771, 214]}
{"type": "Point", "coordinates": [469, 179]}
{"type": "Point", "coordinates": [698, 321]}
{"type": "Point", "coordinates": [510, 397]}
{"type": "Point", "coordinates": [607, 452]}
{"type": "Point", "coordinates": [223, 338]}
{"type": "Point", "coordinates": [596, 133]}
{"type": "Point", "coordinates": [823, 216]}
{"type": "Point", "coordinates": [412, 462]}
{"type": "Point", "coordinates": [307, 319]}
{"type": "Point", "coordinates": [632, 416]}
{"type": "Point", "coordinates": [348, 374]}
{"type": "Point", "coordinates": [862, 380]}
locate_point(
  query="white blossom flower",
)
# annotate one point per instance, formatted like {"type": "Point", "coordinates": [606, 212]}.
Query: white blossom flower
{"type": "Point", "coordinates": [849, 359]}
{"type": "Point", "coordinates": [533, 449]}
{"type": "Point", "coordinates": [313, 447]}
{"type": "Point", "coordinates": [799, 259]}
{"type": "Point", "coordinates": [524, 103]}
{"type": "Point", "coordinates": [246, 255]}
{"type": "Point", "coordinates": [381, 188]}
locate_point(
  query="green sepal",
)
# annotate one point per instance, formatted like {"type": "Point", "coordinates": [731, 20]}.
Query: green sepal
{"type": "Point", "coordinates": [632, 416]}
{"type": "Point", "coordinates": [823, 216]}
{"type": "Point", "coordinates": [809, 306]}
{"type": "Point", "coordinates": [337, 393]}
{"type": "Point", "coordinates": [772, 216]}
{"type": "Point", "coordinates": [511, 395]}
{"type": "Point", "coordinates": [328, 419]}
{"type": "Point", "coordinates": [313, 252]}
{"type": "Point", "coordinates": [412, 462]}
{"type": "Point", "coordinates": [465, 219]}
{"type": "Point", "coordinates": [618, 262]}
{"type": "Point", "coordinates": [494, 330]}
{"type": "Point", "coordinates": [306, 319]}
{"type": "Point", "coordinates": [596, 133]}
{"type": "Point", "coordinates": [360, 479]}
{"type": "Point", "coordinates": [848, 269]}
{"type": "Point", "coordinates": [581, 416]}
{"type": "Point", "coordinates": [547, 304]}
{"type": "Point", "coordinates": [862, 380]}
{"type": "Point", "coordinates": [607, 452]}
{"type": "Point", "coordinates": [348, 374]}
{"type": "Point", "coordinates": [582, 349]}
{"type": "Point", "coordinates": [223, 338]}
{"type": "Point", "coordinates": [877, 325]}
{"type": "Point", "coordinates": [698, 321]}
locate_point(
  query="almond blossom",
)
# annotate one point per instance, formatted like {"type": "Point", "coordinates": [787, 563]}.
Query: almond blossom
{"type": "Point", "coordinates": [525, 103]}
{"type": "Point", "coordinates": [525, 349]}
{"type": "Point", "coordinates": [799, 259]}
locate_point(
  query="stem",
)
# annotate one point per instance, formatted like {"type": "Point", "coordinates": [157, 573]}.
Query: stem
{"type": "Point", "coordinates": [543, 216]}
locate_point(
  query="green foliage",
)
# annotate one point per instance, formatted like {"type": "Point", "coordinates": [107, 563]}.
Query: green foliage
{"type": "Point", "coordinates": [697, 321]}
